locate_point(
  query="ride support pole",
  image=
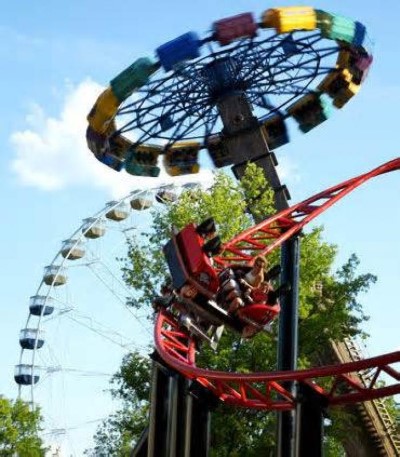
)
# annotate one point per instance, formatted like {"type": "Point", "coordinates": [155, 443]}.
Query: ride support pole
{"type": "Point", "coordinates": [140, 449]}
{"type": "Point", "coordinates": [310, 422]}
{"type": "Point", "coordinates": [182, 408]}
{"type": "Point", "coordinates": [246, 142]}
{"type": "Point", "coordinates": [200, 403]}
{"type": "Point", "coordinates": [163, 411]}
{"type": "Point", "coordinates": [288, 341]}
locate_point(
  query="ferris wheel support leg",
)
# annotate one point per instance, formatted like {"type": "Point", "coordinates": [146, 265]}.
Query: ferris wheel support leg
{"type": "Point", "coordinates": [288, 340]}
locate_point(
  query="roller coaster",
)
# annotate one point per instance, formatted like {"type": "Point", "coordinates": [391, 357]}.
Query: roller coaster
{"type": "Point", "coordinates": [267, 390]}
{"type": "Point", "coordinates": [350, 380]}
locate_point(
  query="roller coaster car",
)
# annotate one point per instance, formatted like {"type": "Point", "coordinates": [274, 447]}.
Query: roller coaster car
{"type": "Point", "coordinates": [207, 294]}
{"type": "Point", "coordinates": [188, 255]}
{"type": "Point", "coordinates": [263, 308]}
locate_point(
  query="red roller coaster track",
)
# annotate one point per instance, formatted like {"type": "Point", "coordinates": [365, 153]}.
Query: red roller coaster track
{"type": "Point", "coordinates": [339, 384]}
{"type": "Point", "coordinates": [271, 233]}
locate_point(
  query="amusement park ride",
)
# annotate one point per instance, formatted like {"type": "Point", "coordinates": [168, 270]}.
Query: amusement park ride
{"type": "Point", "coordinates": [233, 93]}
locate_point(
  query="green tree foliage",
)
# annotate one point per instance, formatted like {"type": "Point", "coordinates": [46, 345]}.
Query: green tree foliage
{"type": "Point", "coordinates": [19, 430]}
{"type": "Point", "coordinates": [328, 309]}
{"type": "Point", "coordinates": [131, 384]}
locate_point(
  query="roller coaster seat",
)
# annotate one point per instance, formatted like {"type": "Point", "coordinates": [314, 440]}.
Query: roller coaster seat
{"type": "Point", "coordinates": [195, 280]}
{"type": "Point", "coordinates": [188, 262]}
{"type": "Point", "coordinates": [260, 313]}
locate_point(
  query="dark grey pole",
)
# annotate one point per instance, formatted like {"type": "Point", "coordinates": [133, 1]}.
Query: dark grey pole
{"type": "Point", "coordinates": [245, 142]}
{"type": "Point", "coordinates": [310, 422]}
{"type": "Point", "coordinates": [288, 342]}
{"type": "Point", "coordinates": [163, 412]}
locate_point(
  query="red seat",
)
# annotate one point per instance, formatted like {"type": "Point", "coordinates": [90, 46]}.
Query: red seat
{"type": "Point", "coordinates": [197, 263]}
{"type": "Point", "coordinates": [259, 313]}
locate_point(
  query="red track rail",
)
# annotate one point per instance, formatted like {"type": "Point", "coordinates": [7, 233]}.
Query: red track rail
{"type": "Point", "coordinates": [339, 384]}
{"type": "Point", "coordinates": [271, 233]}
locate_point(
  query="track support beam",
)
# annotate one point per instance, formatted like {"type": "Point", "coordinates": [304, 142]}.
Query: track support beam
{"type": "Point", "coordinates": [180, 416]}
{"type": "Point", "coordinates": [288, 340]}
{"type": "Point", "coordinates": [310, 422]}
{"type": "Point", "coordinates": [162, 439]}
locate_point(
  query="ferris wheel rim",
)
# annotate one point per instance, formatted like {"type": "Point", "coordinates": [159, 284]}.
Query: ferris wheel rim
{"type": "Point", "coordinates": [61, 262]}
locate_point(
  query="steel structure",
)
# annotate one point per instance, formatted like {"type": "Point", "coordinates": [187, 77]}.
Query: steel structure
{"type": "Point", "coordinates": [379, 430]}
{"type": "Point", "coordinates": [271, 233]}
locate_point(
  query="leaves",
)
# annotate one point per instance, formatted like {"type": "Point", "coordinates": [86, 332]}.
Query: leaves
{"type": "Point", "coordinates": [19, 430]}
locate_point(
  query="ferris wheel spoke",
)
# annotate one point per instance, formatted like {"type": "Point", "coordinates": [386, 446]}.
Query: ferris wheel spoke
{"type": "Point", "coordinates": [106, 336]}
{"type": "Point", "coordinates": [182, 96]}
{"type": "Point", "coordinates": [182, 130]}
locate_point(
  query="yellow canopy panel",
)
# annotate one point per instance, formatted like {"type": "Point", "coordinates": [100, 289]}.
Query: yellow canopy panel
{"type": "Point", "coordinates": [103, 111]}
{"type": "Point", "coordinates": [288, 19]}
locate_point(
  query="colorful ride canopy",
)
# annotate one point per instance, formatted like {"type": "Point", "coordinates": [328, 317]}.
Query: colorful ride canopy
{"type": "Point", "coordinates": [293, 63]}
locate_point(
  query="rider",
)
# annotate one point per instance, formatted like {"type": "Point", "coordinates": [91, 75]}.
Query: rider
{"type": "Point", "coordinates": [253, 283]}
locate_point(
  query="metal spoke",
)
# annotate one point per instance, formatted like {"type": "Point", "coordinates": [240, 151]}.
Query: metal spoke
{"type": "Point", "coordinates": [181, 105]}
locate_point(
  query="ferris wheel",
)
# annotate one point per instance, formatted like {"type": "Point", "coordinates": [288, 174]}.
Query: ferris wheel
{"type": "Point", "coordinates": [79, 325]}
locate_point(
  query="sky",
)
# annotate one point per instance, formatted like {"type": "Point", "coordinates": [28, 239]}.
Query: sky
{"type": "Point", "coordinates": [58, 56]}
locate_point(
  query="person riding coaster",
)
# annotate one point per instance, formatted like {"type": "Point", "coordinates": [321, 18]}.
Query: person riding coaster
{"type": "Point", "coordinates": [218, 297]}
{"type": "Point", "coordinates": [248, 294]}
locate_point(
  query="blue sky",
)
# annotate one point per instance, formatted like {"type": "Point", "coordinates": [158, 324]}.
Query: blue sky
{"type": "Point", "coordinates": [56, 58]}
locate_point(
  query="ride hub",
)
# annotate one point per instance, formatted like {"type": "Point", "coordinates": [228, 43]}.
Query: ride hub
{"type": "Point", "coordinates": [222, 77]}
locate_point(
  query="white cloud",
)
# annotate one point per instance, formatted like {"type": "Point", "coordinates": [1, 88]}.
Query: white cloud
{"type": "Point", "coordinates": [288, 170]}
{"type": "Point", "coordinates": [51, 153]}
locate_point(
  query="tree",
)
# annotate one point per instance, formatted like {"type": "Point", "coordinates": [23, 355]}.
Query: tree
{"type": "Point", "coordinates": [131, 384]}
{"type": "Point", "coordinates": [19, 430]}
{"type": "Point", "coordinates": [328, 307]}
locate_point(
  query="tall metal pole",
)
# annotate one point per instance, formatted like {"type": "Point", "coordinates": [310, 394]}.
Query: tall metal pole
{"type": "Point", "coordinates": [245, 142]}
{"type": "Point", "coordinates": [288, 341]}
{"type": "Point", "coordinates": [163, 412]}
{"type": "Point", "coordinates": [310, 422]}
